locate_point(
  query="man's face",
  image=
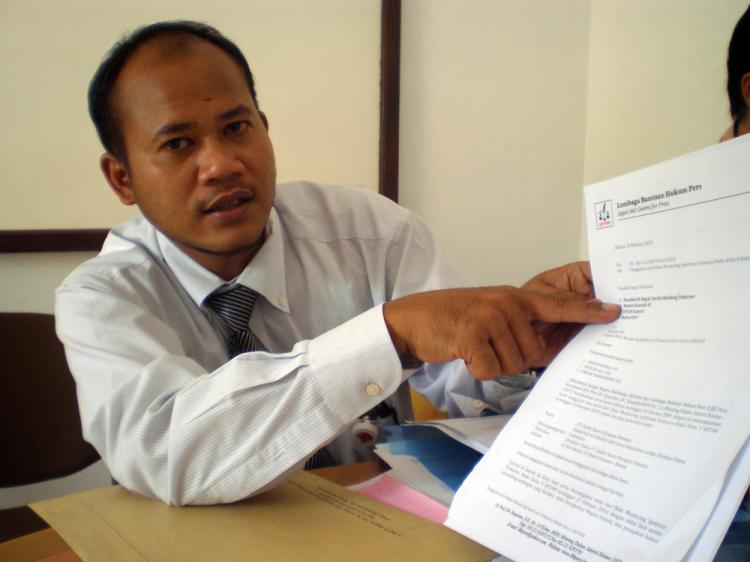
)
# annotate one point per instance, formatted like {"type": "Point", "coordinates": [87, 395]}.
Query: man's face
{"type": "Point", "coordinates": [200, 164]}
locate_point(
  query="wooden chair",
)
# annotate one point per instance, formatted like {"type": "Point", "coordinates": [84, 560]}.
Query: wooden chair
{"type": "Point", "coordinates": [41, 428]}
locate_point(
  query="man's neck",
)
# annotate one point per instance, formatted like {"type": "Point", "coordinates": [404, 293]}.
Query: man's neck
{"type": "Point", "coordinates": [743, 127]}
{"type": "Point", "coordinates": [226, 266]}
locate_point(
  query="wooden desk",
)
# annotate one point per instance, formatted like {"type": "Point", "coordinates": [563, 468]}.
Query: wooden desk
{"type": "Point", "coordinates": [48, 546]}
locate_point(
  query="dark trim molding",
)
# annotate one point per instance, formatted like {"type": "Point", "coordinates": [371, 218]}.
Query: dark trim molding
{"type": "Point", "coordinates": [88, 240]}
{"type": "Point", "coordinates": [390, 68]}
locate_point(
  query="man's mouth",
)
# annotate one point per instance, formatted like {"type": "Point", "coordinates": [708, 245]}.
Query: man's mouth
{"type": "Point", "coordinates": [229, 201]}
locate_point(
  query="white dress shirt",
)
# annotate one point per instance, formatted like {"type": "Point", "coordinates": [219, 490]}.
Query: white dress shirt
{"type": "Point", "coordinates": [174, 418]}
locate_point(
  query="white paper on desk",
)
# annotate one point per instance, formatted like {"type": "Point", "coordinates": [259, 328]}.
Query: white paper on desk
{"type": "Point", "coordinates": [478, 433]}
{"type": "Point", "coordinates": [622, 449]}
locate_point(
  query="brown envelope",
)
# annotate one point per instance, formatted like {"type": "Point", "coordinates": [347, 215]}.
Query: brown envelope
{"type": "Point", "coordinates": [306, 518]}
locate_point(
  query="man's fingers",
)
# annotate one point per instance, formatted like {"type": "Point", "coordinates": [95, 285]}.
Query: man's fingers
{"type": "Point", "coordinates": [482, 361]}
{"type": "Point", "coordinates": [526, 339]}
{"type": "Point", "coordinates": [573, 278]}
{"type": "Point", "coordinates": [560, 308]}
{"type": "Point", "coordinates": [506, 349]}
{"type": "Point", "coordinates": [556, 339]}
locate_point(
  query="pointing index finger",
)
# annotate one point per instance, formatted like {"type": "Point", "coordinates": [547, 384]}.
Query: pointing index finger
{"type": "Point", "coordinates": [558, 308]}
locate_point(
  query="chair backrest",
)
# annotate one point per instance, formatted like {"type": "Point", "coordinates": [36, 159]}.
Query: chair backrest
{"type": "Point", "coordinates": [40, 435]}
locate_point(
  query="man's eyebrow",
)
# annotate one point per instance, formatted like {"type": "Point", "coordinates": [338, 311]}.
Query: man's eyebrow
{"type": "Point", "coordinates": [171, 128]}
{"type": "Point", "coordinates": [235, 112]}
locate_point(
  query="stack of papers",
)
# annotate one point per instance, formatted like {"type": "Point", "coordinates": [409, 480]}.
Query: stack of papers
{"type": "Point", "coordinates": [394, 492]}
{"type": "Point", "coordinates": [427, 460]}
{"type": "Point", "coordinates": [633, 445]}
{"type": "Point", "coordinates": [435, 457]}
{"type": "Point", "coordinates": [477, 433]}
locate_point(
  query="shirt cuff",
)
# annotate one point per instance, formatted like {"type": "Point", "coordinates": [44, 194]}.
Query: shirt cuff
{"type": "Point", "coordinates": [356, 364]}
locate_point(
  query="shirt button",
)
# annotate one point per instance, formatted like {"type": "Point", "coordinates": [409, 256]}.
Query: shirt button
{"type": "Point", "coordinates": [282, 301]}
{"type": "Point", "coordinates": [478, 405]}
{"type": "Point", "coordinates": [373, 389]}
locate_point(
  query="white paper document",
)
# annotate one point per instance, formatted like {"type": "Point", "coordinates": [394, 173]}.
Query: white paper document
{"type": "Point", "coordinates": [623, 450]}
{"type": "Point", "coordinates": [477, 433]}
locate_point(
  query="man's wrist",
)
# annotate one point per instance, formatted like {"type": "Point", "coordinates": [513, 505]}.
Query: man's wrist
{"type": "Point", "coordinates": [390, 313]}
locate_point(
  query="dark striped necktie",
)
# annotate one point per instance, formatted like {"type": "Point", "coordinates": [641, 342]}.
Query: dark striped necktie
{"type": "Point", "coordinates": [235, 306]}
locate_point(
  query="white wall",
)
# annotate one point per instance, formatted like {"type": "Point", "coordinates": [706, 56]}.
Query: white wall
{"type": "Point", "coordinates": [657, 75]}
{"type": "Point", "coordinates": [492, 129]}
{"type": "Point", "coordinates": [30, 280]}
{"type": "Point", "coordinates": [509, 107]}
{"type": "Point", "coordinates": [317, 69]}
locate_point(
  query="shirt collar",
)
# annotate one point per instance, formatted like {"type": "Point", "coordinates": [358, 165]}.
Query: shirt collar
{"type": "Point", "coordinates": [265, 273]}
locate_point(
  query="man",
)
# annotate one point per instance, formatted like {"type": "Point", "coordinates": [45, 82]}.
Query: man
{"type": "Point", "coordinates": [150, 325]}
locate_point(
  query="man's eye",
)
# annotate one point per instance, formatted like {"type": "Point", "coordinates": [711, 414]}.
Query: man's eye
{"type": "Point", "coordinates": [236, 127]}
{"type": "Point", "coordinates": [176, 144]}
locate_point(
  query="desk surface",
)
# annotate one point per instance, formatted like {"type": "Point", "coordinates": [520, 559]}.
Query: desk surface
{"type": "Point", "coordinates": [48, 546]}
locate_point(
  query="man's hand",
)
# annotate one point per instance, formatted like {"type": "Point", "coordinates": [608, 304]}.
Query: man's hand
{"type": "Point", "coordinates": [496, 330]}
{"type": "Point", "coordinates": [571, 281]}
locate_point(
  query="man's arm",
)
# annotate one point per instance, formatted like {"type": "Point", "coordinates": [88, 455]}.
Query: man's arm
{"type": "Point", "coordinates": [169, 428]}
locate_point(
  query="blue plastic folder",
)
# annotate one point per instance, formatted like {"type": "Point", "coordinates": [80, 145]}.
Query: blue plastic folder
{"type": "Point", "coordinates": [444, 457]}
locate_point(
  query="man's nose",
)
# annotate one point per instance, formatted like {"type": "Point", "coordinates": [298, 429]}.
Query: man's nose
{"type": "Point", "coordinates": [217, 161]}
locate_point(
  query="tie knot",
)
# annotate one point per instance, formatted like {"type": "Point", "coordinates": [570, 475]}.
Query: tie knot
{"type": "Point", "coordinates": [234, 305]}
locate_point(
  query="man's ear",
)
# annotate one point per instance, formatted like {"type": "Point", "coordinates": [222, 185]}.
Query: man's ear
{"type": "Point", "coordinates": [745, 88]}
{"type": "Point", "coordinates": [117, 176]}
{"type": "Point", "coordinates": [264, 119]}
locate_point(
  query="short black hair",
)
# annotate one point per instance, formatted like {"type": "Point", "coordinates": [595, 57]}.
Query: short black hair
{"type": "Point", "coordinates": [738, 64]}
{"type": "Point", "coordinates": [100, 88]}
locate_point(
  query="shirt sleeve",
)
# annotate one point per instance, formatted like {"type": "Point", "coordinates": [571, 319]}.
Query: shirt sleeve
{"type": "Point", "coordinates": [168, 429]}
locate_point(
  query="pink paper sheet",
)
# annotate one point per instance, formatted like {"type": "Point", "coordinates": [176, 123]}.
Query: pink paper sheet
{"type": "Point", "coordinates": [393, 492]}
